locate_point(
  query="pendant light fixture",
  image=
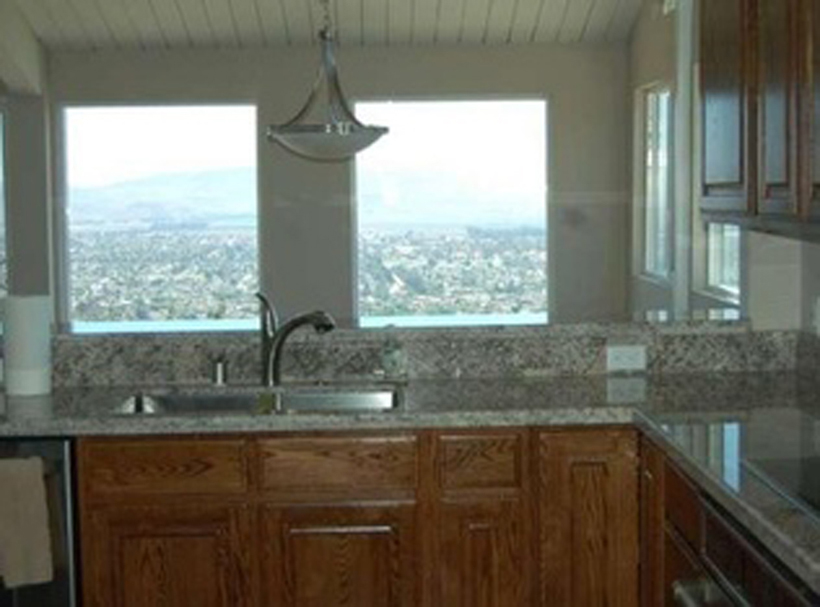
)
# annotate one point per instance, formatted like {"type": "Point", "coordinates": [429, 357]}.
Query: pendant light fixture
{"type": "Point", "coordinates": [341, 136]}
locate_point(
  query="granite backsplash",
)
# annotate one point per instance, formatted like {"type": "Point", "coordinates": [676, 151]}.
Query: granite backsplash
{"type": "Point", "coordinates": [396, 354]}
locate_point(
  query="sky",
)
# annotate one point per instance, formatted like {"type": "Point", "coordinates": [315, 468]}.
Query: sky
{"type": "Point", "coordinates": [483, 162]}
{"type": "Point", "coordinates": [107, 145]}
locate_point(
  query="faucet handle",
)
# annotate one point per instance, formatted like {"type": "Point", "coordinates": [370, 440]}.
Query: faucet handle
{"type": "Point", "coordinates": [220, 372]}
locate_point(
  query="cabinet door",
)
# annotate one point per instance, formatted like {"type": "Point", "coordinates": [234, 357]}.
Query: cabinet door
{"type": "Point", "coordinates": [167, 556]}
{"type": "Point", "coordinates": [337, 556]}
{"type": "Point", "coordinates": [778, 48]}
{"type": "Point", "coordinates": [483, 545]}
{"type": "Point", "coordinates": [728, 107]}
{"type": "Point", "coordinates": [811, 116]}
{"type": "Point", "coordinates": [588, 488]}
{"type": "Point", "coordinates": [652, 524]}
{"type": "Point", "coordinates": [485, 558]}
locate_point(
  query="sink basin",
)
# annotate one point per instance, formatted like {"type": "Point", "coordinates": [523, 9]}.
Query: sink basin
{"type": "Point", "coordinates": [329, 398]}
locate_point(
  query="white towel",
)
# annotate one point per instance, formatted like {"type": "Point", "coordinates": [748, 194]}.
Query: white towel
{"type": "Point", "coordinates": [25, 541]}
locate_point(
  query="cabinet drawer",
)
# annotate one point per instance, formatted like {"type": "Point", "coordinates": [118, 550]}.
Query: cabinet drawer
{"type": "Point", "coordinates": [486, 461]}
{"type": "Point", "coordinates": [338, 464]}
{"type": "Point", "coordinates": [683, 507]}
{"type": "Point", "coordinates": [168, 466]}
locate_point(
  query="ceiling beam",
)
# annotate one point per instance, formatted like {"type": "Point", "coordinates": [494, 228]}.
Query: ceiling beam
{"type": "Point", "coordinates": [21, 56]}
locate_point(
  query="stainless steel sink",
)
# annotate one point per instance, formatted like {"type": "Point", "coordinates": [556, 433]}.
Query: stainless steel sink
{"type": "Point", "coordinates": [298, 398]}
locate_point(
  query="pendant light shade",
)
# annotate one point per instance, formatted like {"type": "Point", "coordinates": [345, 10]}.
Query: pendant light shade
{"type": "Point", "coordinates": [341, 136]}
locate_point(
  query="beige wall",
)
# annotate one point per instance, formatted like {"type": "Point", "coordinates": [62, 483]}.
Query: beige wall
{"type": "Point", "coordinates": [21, 57]}
{"type": "Point", "coordinates": [305, 208]}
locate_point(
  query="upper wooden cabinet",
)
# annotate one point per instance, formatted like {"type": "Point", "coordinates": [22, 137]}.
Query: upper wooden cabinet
{"type": "Point", "coordinates": [760, 112]}
{"type": "Point", "coordinates": [728, 105]}
{"type": "Point", "coordinates": [778, 47]}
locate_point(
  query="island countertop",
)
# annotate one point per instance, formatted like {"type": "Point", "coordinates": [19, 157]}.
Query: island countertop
{"type": "Point", "coordinates": [721, 429]}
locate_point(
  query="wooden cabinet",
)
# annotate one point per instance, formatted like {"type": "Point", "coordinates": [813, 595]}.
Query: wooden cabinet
{"type": "Point", "coordinates": [339, 556]}
{"type": "Point", "coordinates": [588, 507]}
{"type": "Point", "coordinates": [503, 517]}
{"type": "Point", "coordinates": [652, 526]}
{"type": "Point", "coordinates": [693, 554]}
{"type": "Point", "coordinates": [483, 505]}
{"type": "Point", "coordinates": [760, 114]}
{"type": "Point", "coordinates": [779, 137]}
{"type": "Point", "coordinates": [171, 556]}
{"type": "Point", "coordinates": [728, 106]}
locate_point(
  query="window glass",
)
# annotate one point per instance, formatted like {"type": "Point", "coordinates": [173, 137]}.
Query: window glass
{"type": "Point", "coordinates": [3, 254]}
{"type": "Point", "coordinates": [452, 218]}
{"type": "Point", "coordinates": [723, 258]}
{"type": "Point", "coordinates": [658, 182]}
{"type": "Point", "coordinates": [161, 227]}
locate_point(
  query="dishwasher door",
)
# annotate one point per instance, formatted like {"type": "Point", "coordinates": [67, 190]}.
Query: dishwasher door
{"type": "Point", "coordinates": [57, 464]}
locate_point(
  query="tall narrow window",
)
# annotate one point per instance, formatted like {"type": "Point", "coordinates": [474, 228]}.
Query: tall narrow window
{"type": "Point", "coordinates": [723, 259]}
{"type": "Point", "coordinates": [657, 186]}
{"type": "Point", "coordinates": [452, 226]}
{"type": "Point", "coordinates": [161, 217]}
{"type": "Point", "coordinates": [3, 255]}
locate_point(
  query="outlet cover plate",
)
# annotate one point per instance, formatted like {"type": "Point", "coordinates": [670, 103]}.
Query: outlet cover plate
{"type": "Point", "coordinates": [625, 359]}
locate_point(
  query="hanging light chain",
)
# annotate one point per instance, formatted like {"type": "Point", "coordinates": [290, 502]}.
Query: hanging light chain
{"type": "Point", "coordinates": [327, 23]}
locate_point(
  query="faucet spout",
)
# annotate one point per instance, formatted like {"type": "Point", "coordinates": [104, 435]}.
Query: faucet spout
{"type": "Point", "coordinates": [269, 325]}
{"type": "Point", "coordinates": [322, 322]}
{"type": "Point", "coordinates": [274, 336]}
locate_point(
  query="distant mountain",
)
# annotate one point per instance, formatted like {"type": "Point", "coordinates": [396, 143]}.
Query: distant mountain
{"type": "Point", "coordinates": [396, 200]}
{"type": "Point", "coordinates": [196, 197]}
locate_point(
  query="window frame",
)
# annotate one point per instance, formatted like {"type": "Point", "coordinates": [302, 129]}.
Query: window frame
{"type": "Point", "coordinates": [717, 257]}
{"type": "Point", "coordinates": [641, 208]}
{"type": "Point", "coordinates": [60, 258]}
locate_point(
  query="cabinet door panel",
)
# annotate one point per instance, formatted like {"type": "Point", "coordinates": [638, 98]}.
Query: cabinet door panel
{"type": "Point", "coordinates": [811, 20]}
{"type": "Point", "coordinates": [778, 108]}
{"type": "Point", "coordinates": [358, 556]}
{"type": "Point", "coordinates": [588, 489]}
{"type": "Point", "coordinates": [652, 524]}
{"type": "Point", "coordinates": [167, 556]}
{"type": "Point", "coordinates": [726, 55]}
{"type": "Point", "coordinates": [485, 554]}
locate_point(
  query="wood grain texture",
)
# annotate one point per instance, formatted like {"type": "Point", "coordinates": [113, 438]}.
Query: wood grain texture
{"type": "Point", "coordinates": [683, 507]}
{"type": "Point", "coordinates": [341, 465]}
{"type": "Point", "coordinates": [810, 114]}
{"type": "Point", "coordinates": [489, 461]}
{"type": "Point", "coordinates": [486, 561]}
{"type": "Point", "coordinates": [167, 556]}
{"type": "Point", "coordinates": [778, 109]}
{"type": "Point", "coordinates": [588, 507]}
{"type": "Point", "coordinates": [652, 557]}
{"type": "Point", "coordinates": [357, 556]}
{"type": "Point", "coordinates": [682, 566]}
{"type": "Point", "coordinates": [158, 466]}
{"type": "Point", "coordinates": [729, 106]}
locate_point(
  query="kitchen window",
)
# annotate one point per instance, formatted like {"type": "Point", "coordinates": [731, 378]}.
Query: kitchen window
{"type": "Point", "coordinates": [452, 214]}
{"type": "Point", "coordinates": [723, 260]}
{"type": "Point", "coordinates": [161, 228]}
{"type": "Point", "coordinates": [656, 180]}
{"type": "Point", "coordinates": [3, 254]}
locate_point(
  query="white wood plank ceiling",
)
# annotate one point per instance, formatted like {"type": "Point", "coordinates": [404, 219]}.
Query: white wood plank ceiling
{"type": "Point", "coordinates": [151, 24]}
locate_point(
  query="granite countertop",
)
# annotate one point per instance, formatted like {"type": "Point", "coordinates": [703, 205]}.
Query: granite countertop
{"type": "Point", "coordinates": [720, 428]}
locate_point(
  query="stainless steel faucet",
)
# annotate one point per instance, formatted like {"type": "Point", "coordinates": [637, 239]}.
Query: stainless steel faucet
{"type": "Point", "coordinates": [274, 336]}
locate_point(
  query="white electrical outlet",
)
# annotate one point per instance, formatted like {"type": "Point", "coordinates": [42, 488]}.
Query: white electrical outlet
{"type": "Point", "coordinates": [625, 358]}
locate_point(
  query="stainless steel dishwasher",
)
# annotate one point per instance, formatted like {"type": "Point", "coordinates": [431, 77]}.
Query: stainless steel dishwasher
{"type": "Point", "coordinates": [57, 460]}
